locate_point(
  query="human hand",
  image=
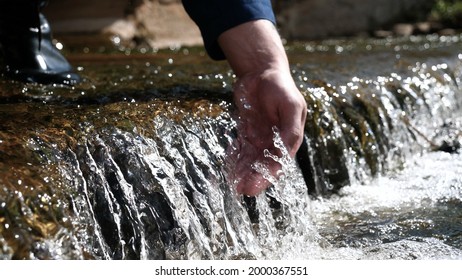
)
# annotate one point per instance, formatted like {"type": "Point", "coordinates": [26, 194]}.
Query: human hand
{"type": "Point", "coordinates": [265, 101]}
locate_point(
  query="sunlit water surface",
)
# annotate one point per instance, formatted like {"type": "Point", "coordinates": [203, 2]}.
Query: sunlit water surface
{"type": "Point", "coordinates": [412, 214]}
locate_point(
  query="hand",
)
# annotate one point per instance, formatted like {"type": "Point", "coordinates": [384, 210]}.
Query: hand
{"type": "Point", "coordinates": [264, 102]}
{"type": "Point", "coordinates": [266, 97]}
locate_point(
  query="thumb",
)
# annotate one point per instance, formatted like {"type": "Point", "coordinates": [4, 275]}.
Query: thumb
{"type": "Point", "coordinates": [292, 127]}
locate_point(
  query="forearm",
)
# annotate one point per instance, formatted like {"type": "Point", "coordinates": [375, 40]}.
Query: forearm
{"type": "Point", "coordinates": [254, 47]}
{"type": "Point", "coordinates": [214, 17]}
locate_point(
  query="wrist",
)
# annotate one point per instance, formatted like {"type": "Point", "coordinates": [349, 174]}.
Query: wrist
{"type": "Point", "coordinates": [254, 47]}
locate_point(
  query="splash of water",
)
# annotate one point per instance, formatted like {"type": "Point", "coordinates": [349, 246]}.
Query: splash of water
{"type": "Point", "coordinates": [285, 227]}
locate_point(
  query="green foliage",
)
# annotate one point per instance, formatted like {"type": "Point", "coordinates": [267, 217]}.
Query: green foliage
{"type": "Point", "coordinates": [449, 12]}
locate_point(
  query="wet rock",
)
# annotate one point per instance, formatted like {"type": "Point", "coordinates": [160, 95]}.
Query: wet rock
{"type": "Point", "coordinates": [447, 32]}
{"type": "Point", "coordinates": [450, 147]}
{"type": "Point", "coordinates": [122, 28]}
{"type": "Point", "coordinates": [383, 33]}
{"type": "Point", "coordinates": [423, 27]}
{"type": "Point", "coordinates": [403, 29]}
{"type": "Point", "coordinates": [322, 154]}
{"type": "Point", "coordinates": [447, 138]}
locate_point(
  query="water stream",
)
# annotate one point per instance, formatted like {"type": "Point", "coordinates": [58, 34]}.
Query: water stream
{"type": "Point", "coordinates": [132, 164]}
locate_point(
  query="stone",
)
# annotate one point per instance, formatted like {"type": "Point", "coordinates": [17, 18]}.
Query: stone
{"type": "Point", "coordinates": [159, 23]}
{"type": "Point", "coordinates": [383, 33]}
{"type": "Point", "coordinates": [166, 25]}
{"type": "Point", "coordinates": [447, 32]}
{"type": "Point", "coordinates": [403, 29]}
{"type": "Point", "coordinates": [423, 27]}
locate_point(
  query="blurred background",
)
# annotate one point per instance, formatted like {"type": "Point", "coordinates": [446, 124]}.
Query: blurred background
{"type": "Point", "coordinates": [164, 23]}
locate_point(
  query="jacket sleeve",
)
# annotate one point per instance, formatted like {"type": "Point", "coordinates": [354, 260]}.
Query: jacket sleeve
{"type": "Point", "coordinates": [216, 16]}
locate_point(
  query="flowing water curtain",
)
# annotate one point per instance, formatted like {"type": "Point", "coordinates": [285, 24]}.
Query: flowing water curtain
{"type": "Point", "coordinates": [369, 127]}
{"type": "Point", "coordinates": [162, 197]}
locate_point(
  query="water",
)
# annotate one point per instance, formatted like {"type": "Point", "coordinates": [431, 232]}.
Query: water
{"type": "Point", "coordinates": [412, 214]}
{"type": "Point", "coordinates": [132, 164]}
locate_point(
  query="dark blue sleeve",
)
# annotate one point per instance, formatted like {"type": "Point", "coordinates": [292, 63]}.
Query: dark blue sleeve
{"type": "Point", "coordinates": [216, 16]}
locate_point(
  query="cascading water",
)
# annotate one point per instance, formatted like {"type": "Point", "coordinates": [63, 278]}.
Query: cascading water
{"type": "Point", "coordinates": [119, 170]}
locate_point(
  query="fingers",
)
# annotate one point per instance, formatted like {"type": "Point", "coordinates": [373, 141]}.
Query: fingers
{"type": "Point", "coordinates": [249, 179]}
{"type": "Point", "coordinates": [292, 126]}
{"type": "Point", "coordinates": [252, 184]}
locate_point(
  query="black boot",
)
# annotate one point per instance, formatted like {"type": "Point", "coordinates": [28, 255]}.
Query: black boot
{"type": "Point", "coordinates": [26, 44]}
